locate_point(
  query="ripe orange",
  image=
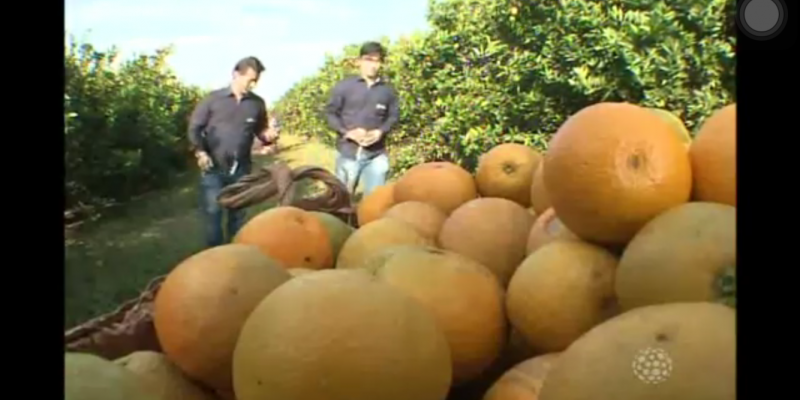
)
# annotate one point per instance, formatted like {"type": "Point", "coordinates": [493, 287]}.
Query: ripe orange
{"type": "Point", "coordinates": [546, 229]}
{"type": "Point", "coordinates": [561, 291]}
{"type": "Point", "coordinates": [424, 217]}
{"type": "Point", "coordinates": [713, 155]}
{"type": "Point", "coordinates": [341, 334]}
{"type": "Point", "coordinates": [292, 236]}
{"type": "Point", "coordinates": [506, 171]}
{"type": "Point", "coordinates": [443, 184]}
{"type": "Point", "coordinates": [465, 298]}
{"type": "Point", "coordinates": [203, 303]}
{"type": "Point", "coordinates": [685, 254]}
{"type": "Point", "coordinates": [490, 230]}
{"type": "Point", "coordinates": [373, 205]}
{"type": "Point", "coordinates": [611, 168]}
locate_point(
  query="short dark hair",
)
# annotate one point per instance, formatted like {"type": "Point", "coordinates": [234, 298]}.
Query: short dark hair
{"type": "Point", "coordinates": [249, 63]}
{"type": "Point", "coordinates": [372, 48]}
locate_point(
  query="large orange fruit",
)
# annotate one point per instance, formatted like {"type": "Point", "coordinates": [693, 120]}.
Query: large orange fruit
{"type": "Point", "coordinates": [465, 298]}
{"type": "Point", "coordinates": [373, 205]}
{"type": "Point", "coordinates": [425, 217]}
{"type": "Point", "coordinates": [713, 154]}
{"type": "Point", "coordinates": [443, 184]}
{"type": "Point", "coordinates": [561, 291]}
{"type": "Point", "coordinates": [203, 303]}
{"type": "Point", "coordinates": [523, 381]}
{"type": "Point", "coordinates": [663, 352]}
{"type": "Point", "coordinates": [506, 171]}
{"type": "Point", "coordinates": [685, 254]}
{"type": "Point", "coordinates": [294, 237]}
{"type": "Point", "coordinates": [539, 200]}
{"type": "Point", "coordinates": [611, 167]}
{"type": "Point", "coordinates": [490, 230]}
{"type": "Point", "coordinates": [375, 237]}
{"type": "Point", "coordinates": [341, 334]}
{"type": "Point", "coordinates": [546, 229]}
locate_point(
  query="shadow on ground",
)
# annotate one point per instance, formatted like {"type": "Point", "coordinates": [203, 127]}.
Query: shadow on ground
{"type": "Point", "coordinates": [110, 260]}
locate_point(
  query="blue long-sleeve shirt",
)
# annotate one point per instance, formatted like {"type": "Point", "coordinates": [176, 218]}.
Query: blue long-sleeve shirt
{"type": "Point", "coordinates": [353, 104]}
{"type": "Point", "coordinates": [224, 127]}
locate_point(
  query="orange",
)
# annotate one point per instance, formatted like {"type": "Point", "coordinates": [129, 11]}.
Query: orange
{"type": "Point", "coordinates": [443, 184]}
{"type": "Point", "coordinates": [424, 217]}
{"type": "Point", "coordinates": [546, 229]}
{"type": "Point", "coordinates": [506, 171]}
{"type": "Point", "coordinates": [685, 254]}
{"type": "Point", "coordinates": [341, 334]}
{"type": "Point", "coordinates": [561, 291]}
{"type": "Point", "coordinates": [713, 154]}
{"type": "Point", "coordinates": [296, 238]}
{"type": "Point", "coordinates": [464, 297]}
{"type": "Point", "coordinates": [375, 237]}
{"type": "Point", "coordinates": [373, 205]}
{"type": "Point", "coordinates": [203, 303]}
{"type": "Point", "coordinates": [490, 230]}
{"type": "Point", "coordinates": [662, 352]}
{"type": "Point", "coordinates": [611, 168]}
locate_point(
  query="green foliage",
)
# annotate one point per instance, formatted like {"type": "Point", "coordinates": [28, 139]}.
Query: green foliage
{"type": "Point", "coordinates": [494, 71]}
{"type": "Point", "coordinates": [124, 124]}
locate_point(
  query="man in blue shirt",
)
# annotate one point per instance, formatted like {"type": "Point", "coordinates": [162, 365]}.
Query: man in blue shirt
{"type": "Point", "coordinates": [221, 132]}
{"type": "Point", "coordinates": [362, 110]}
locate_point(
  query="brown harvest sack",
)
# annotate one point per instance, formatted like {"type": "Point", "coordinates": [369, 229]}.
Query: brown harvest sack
{"type": "Point", "coordinates": [125, 330]}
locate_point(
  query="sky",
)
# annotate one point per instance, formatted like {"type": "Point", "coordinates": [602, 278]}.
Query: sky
{"type": "Point", "coordinates": [291, 37]}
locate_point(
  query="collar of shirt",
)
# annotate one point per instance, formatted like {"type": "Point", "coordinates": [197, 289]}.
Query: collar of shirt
{"type": "Point", "coordinates": [228, 92]}
{"type": "Point", "coordinates": [377, 80]}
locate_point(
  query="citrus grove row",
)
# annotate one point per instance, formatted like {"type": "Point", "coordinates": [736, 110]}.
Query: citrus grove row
{"type": "Point", "coordinates": [602, 269]}
{"type": "Point", "coordinates": [124, 125]}
{"type": "Point", "coordinates": [492, 71]}
{"type": "Point", "coordinates": [484, 72]}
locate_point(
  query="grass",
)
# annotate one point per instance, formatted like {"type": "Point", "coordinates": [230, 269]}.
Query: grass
{"type": "Point", "coordinates": [111, 259]}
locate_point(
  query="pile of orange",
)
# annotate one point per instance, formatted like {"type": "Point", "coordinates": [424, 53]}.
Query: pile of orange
{"type": "Point", "coordinates": [602, 268]}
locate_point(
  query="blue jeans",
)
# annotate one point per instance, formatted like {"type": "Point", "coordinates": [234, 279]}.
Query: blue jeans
{"type": "Point", "coordinates": [211, 183]}
{"type": "Point", "coordinates": [375, 170]}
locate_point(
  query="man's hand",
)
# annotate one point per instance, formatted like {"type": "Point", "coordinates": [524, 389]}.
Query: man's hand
{"type": "Point", "coordinates": [271, 134]}
{"type": "Point", "coordinates": [356, 135]}
{"type": "Point", "coordinates": [203, 160]}
{"type": "Point", "coordinates": [370, 137]}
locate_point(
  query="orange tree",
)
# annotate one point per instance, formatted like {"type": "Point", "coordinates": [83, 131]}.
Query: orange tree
{"type": "Point", "coordinates": [125, 124]}
{"type": "Point", "coordinates": [492, 71]}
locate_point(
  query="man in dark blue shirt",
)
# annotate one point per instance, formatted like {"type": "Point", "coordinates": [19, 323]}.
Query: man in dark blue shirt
{"type": "Point", "coordinates": [362, 110]}
{"type": "Point", "coordinates": [221, 131]}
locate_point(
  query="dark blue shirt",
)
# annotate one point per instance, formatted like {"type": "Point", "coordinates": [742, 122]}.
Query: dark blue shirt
{"type": "Point", "coordinates": [354, 104]}
{"type": "Point", "coordinates": [224, 127]}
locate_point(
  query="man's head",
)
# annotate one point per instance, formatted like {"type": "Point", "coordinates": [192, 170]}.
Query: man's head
{"type": "Point", "coordinates": [246, 74]}
{"type": "Point", "coordinates": [370, 58]}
